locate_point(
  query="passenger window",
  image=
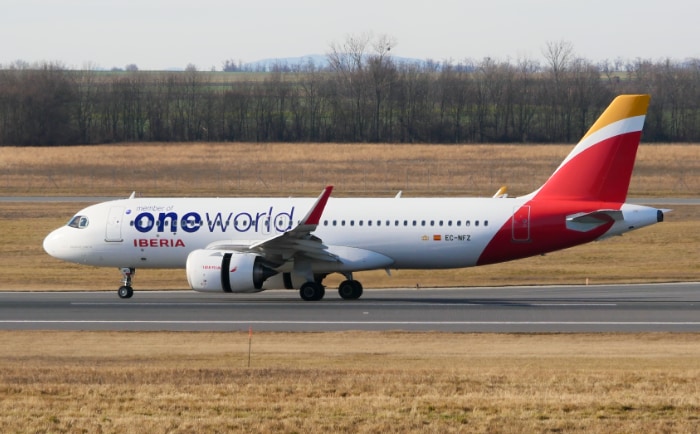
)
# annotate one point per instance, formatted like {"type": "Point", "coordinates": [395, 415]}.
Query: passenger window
{"type": "Point", "coordinates": [486, 222]}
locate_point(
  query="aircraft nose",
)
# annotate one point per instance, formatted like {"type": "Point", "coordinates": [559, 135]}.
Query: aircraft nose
{"type": "Point", "coordinates": [54, 243]}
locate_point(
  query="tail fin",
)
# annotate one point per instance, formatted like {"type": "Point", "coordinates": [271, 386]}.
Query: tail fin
{"type": "Point", "coordinates": [600, 166]}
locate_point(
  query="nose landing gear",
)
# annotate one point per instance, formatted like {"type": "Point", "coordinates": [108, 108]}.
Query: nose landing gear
{"type": "Point", "coordinates": [126, 291]}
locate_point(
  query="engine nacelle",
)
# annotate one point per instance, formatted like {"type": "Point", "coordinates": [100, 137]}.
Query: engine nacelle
{"type": "Point", "coordinates": [218, 270]}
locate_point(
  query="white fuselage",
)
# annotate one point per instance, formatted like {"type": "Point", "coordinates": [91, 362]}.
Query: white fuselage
{"type": "Point", "coordinates": [413, 232]}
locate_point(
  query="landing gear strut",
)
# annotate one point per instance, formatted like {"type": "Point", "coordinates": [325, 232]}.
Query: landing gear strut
{"type": "Point", "coordinates": [126, 291]}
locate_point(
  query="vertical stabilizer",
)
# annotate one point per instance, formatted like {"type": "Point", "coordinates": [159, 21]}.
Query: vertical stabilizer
{"type": "Point", "coordinates": [600, 167]}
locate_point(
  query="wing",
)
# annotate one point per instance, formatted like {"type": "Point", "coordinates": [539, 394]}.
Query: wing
{"type": "Point", "coordinates": [296, 243]}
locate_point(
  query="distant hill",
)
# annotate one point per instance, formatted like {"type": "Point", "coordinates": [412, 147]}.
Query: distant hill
{"type": "Point", "coordinates": [318, 60]}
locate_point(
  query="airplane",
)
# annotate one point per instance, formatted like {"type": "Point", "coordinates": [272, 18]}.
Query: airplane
{"type": "Point", "coordinates": [247, 245]}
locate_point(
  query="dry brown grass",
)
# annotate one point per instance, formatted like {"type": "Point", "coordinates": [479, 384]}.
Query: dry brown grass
{"type": "Point", "coordinates": [348, 382]}
{"type": "Point", "coordinates": [232, 169]}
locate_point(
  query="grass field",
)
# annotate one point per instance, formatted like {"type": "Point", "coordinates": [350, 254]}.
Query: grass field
{"type": "Point", "coordinates": [271, 169]}
{"type": "Point", "coordinates": [344, 382]}
{"type": "Point", "coordinates": [348, 382]}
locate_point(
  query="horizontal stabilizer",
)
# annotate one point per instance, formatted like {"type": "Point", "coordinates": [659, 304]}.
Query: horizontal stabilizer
{"type": "Point", "coordinates": [501, 193]}
{"type": "Point", "coordinates": [584, 222]}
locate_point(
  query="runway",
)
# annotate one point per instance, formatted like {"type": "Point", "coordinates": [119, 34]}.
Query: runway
{"type": "Point", "coordinates": [550, 309]}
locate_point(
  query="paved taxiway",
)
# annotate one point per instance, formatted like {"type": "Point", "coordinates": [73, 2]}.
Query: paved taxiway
{"type": "Point", "coordinates": [606, 308]}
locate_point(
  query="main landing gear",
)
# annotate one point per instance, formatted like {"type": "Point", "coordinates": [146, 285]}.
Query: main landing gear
{"type": "Point", "coordinates": [312, 291]}
{"type": "Point", "coordinates": [126, 291]}
{"type": "Point", "coordinates": [348, 289]}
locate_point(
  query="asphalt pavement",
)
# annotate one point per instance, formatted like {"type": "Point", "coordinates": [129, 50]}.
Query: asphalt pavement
{"type": "Point", "coordinates": [550, 309]}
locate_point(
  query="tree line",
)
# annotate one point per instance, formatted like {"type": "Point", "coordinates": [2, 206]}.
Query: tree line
{"type": "Point", "coordinates": [363, 94]}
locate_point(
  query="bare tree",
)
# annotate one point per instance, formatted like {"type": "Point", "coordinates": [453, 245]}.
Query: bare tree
{"type": "Point", "coordinates": [558, 55]}
{"type": "Point", "coordinates": [364, 69]}
{"type": "Point", "coordinates": [232, 65]}
{"type": "Point", "coordinates": [85, 82]}
{"type": "Point", "coordinates": [382, 73]}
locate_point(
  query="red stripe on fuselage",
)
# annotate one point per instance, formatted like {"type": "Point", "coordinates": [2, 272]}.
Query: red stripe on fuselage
{"type": "Point", "coordinates": [548, 231]}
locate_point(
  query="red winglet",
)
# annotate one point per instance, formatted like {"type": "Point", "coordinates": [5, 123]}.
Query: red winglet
{"type": "Point", "coordinates": [314, 215]}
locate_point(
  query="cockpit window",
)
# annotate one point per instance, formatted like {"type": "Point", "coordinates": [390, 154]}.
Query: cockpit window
{"type": "Point", "coordinates": [79, 222]}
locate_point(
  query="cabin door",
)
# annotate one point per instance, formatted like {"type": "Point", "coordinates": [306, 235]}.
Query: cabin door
{"type": "Point", "coordinates": [113, 232]}
{"type": "Point", "coordinates": [521, 224]}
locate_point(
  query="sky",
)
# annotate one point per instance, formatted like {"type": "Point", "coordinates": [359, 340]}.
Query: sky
{"type": "Point", "coordinates": [167, 34]}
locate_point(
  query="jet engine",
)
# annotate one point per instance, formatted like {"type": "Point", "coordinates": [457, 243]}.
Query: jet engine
{"type": "Point", "coordinates": [217, 270]}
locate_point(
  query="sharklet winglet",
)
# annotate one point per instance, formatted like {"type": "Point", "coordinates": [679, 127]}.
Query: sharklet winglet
{"type": "Point", "coordinates": [314, 215]}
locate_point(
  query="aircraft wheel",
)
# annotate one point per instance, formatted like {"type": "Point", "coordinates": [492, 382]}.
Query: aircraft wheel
{"type": "Point", "coordinates": [350, 289]}
{"type": "Point", "coordinates": [125, 292]}
{"type": "Point", "coordinates": [312, 291]}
